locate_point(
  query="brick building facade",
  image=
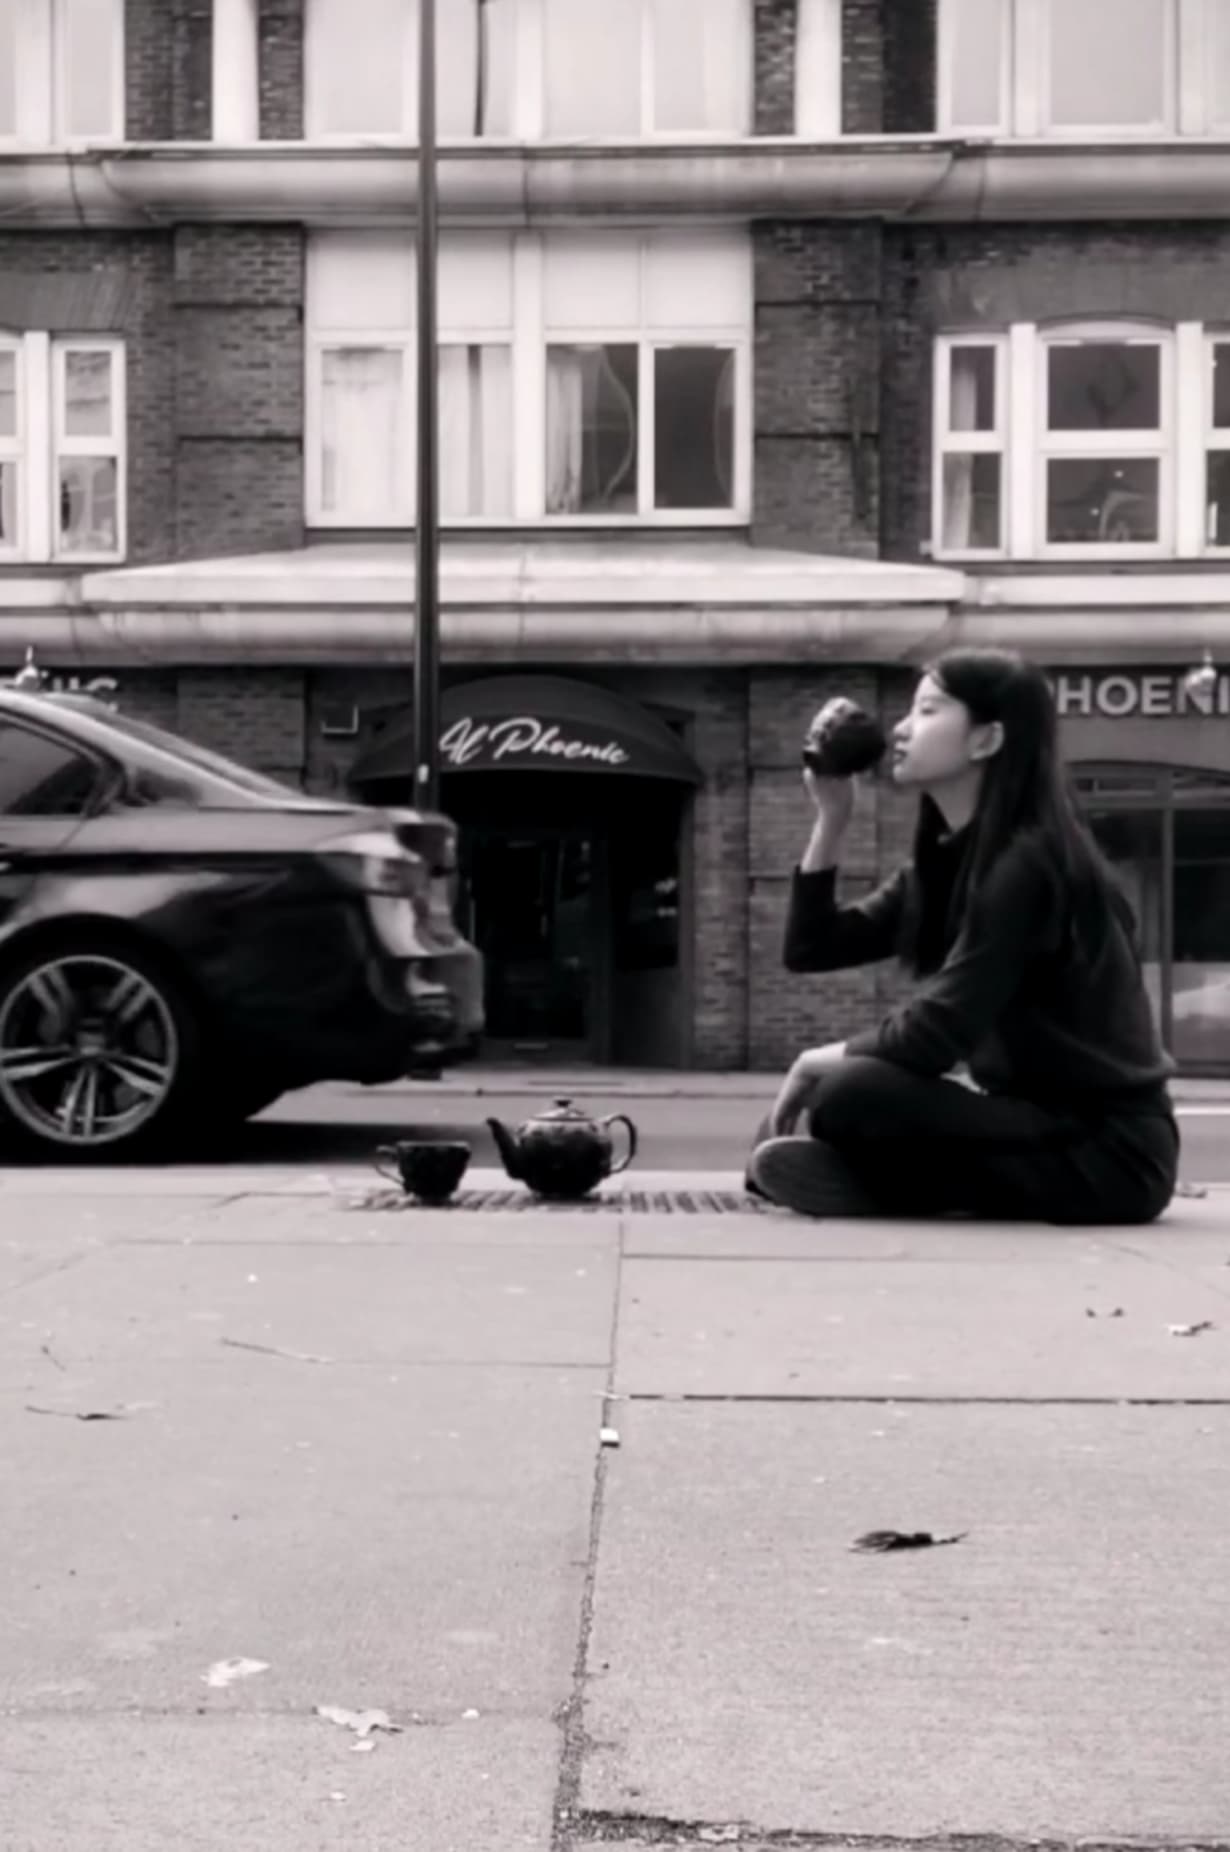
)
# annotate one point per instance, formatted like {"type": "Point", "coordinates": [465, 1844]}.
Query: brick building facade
{"type": "Point", "coordinates": [955, 352]}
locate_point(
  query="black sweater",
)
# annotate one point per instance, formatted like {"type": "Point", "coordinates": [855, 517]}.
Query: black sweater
{"type": "Point", "coordinates": [1006, 1001]}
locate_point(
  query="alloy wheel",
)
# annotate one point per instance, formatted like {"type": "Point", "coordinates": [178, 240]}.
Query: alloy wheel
{"type": "Point", "coordinates": [89, 1051]}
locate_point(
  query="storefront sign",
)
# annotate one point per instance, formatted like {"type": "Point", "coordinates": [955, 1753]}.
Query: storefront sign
{"type": "Point", "coordinates": [73, 684]}
{"type": "Point", "coordinates": [521, 741]}
{"type": "Point", "coordinates": [1150, 695]}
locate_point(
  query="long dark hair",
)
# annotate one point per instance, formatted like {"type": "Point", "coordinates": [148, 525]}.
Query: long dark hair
{"type": "Point", "coordinates": [1025, 791]}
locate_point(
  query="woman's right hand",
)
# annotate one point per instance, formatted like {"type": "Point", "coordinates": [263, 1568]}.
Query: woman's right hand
{"type": "Point", "coordinates": [833, 799]}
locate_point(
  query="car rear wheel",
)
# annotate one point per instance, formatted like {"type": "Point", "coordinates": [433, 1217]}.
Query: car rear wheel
{"type": "Point", "coordinates": [97, 1053]}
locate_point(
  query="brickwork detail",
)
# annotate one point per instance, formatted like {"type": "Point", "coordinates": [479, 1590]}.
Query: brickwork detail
{"type": "Point", "coordinates": [909, 42]}
{"type": "Point", "coordinates": [192, 77]}
{"type": "Point", "coordinates": [238, 295]}
{"type": "Point", "coordinates": [719, 876]}
{"type": "Point", "coordinates": [862, 67]}
{"type": "Point", "coordinates": [281, 70]}
{"type": "Point", "coordinates": [239, 373]}
{"type": "Point", "coordinates": [775, 32]}
{"type": "Point", "coordinates": [817, 408]}
{"type": "Point", "coordinates": [239, 496]}
{"type": "Point", "coordinates": [234, 266]}
{"type": "Point", "coordinates": [253, 714]}
{"type": "Point", "coordinates": [150, 61]}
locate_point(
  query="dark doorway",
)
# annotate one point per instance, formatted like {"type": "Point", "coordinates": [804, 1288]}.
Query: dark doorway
{"type": "Point", "coordinates": [573, 889]}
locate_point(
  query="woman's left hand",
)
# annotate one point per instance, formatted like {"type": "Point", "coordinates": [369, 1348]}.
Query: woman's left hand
{"type": "Point", "coordinates": [800, 1084]}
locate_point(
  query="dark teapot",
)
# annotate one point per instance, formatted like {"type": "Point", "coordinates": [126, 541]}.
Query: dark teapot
{"type": "Point", "coordinates": [843, 739]}
{"type": "Point", "coordinates": [563, 1154]}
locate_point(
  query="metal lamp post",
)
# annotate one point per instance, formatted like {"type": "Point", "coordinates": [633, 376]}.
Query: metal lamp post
{"type": "Point", "coordinates": [427, 531]}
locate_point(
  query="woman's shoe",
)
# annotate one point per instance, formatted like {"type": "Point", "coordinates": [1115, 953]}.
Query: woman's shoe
{"type": "Point", "coordinates": [810, 1177]}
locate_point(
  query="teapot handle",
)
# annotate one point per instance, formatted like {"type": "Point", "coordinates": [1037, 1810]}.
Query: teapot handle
{"type": "Point", "coordinates": [619, 1118]}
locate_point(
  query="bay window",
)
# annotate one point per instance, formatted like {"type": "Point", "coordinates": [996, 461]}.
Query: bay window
{"type": "Point", "coordinates": [525, 69]}
{"type": "Point", "coordinates": [1101, 441]}
{"type": "Point", "coordinates": [61, 449]}
{"type": "Point", "coordinates": [587, 378]}
{"type": "Point", "coordinates": [1084, 68]}
{"type": "Point", "coordinates": [61, 71]}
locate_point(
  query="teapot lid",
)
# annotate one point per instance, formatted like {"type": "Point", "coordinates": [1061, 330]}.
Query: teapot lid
{"type": "Point", "coordinates": [563, 1113]}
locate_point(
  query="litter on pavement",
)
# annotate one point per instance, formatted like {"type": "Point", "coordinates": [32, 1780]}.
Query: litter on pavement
{"type": "Point", "coordinates": [884, 1540]}
{"type": "Point", "coordinates": [361, 1722]}
{"type": "Point", "coordinates": [225, 1671]}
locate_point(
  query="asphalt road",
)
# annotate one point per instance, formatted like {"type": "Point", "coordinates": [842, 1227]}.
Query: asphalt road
{"type": "Point", "coordinates": [341, 1124]}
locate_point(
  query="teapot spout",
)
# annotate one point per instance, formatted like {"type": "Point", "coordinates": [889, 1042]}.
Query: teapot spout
{"type": "Point", "coordinates": [506, 1145]}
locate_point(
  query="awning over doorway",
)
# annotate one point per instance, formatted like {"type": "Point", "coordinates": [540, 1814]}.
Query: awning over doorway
{"type": "Point", "coordinates": [536, 723]}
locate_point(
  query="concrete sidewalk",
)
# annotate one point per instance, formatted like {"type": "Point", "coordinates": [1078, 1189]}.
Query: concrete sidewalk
{"type": "Point", "coordinates": [361, 1446]}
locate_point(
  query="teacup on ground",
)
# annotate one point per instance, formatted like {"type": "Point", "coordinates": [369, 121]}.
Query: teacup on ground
{"type": "Point", "coordinates": [429, 1169]}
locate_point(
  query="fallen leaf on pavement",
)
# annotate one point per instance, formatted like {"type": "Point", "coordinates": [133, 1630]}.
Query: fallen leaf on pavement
{"type": "Point", "coordinates": [1191, 1331]}
{"type": "Point", "coordinates": [361, 1722]}
{"type": "Point", "coordinates": [882, 1540]}
{"type": "Point", "coordinates": [273, 1350]}
{"type": "Point", "coordinates": [225, 1671]}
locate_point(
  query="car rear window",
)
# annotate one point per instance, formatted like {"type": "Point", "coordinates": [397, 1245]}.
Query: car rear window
{"type": "Point", "coordinates": [43, 777]}
{"type": "Point", "coordinates": [190, 754]}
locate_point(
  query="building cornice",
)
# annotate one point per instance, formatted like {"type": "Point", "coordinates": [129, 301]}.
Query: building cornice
{"type": "Point", "coordinates": [921, 178]}
{"type": "Point", "coordinates": [701, 637]}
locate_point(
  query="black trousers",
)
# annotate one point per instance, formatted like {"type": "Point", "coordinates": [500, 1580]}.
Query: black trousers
{"type": "Point", "coordinates": [920, 1146]}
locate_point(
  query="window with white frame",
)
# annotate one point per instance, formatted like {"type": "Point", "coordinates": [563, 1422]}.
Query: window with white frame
{"type": "Point", "coordinates": [598, 379]}
{"type": "Point", "coordinates": [61, 71]}
{"type": "Point", "coordinates": [61, 448]}
{"type": "Point", "coordinates": [1084, 68]}
{"type": "Point", "coordinates": [349, 95]}
{"type": "Point", "coordinates": [646, 67]}
{"type": "Point", "coordinates": [525, 69]}
{"type": "Point", "coordinates": [1101, 441]}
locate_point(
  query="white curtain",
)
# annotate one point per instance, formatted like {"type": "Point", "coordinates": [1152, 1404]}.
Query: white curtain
{"type": "Point", "coordinates": [90, 48]}
{"type": "Point", "coordinates": [593, 67]}
{"type": "Point", "coordinates": [701, 56]}
{"type": "Point", "coordinates": [565, 429]}
{"type": "Point", "coordinates": [975, 36]}
{"type": "Point", "coordinates": [8, 66]}
{"type": "Point", "coordinates": [363, 434]}
{"type": "Point", "coordinates": [355, 58]}
{"type": "Point", "coordinates": [1217, 68]}
{"type": "Point", "coordinates": [8, 503]}
{"type": "Point", "coordinates": [1108, 64]}
{"type": "Point", "coordinates": [475, 431]}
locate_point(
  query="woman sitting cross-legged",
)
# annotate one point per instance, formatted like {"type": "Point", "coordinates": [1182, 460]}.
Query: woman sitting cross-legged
{"type": "Point", "coordinates": [1030, 980]}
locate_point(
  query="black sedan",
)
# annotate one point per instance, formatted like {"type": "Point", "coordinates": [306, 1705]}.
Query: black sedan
{"type": "Point", "coordinates": [182, 940]}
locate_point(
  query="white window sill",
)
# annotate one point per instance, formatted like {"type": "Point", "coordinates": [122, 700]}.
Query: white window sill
{"type": "Point", "coordinates": [1103, 555]}
{"type": "Point", "coordinates": [557, 523]}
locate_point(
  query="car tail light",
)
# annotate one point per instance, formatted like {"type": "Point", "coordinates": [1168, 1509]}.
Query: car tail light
{"type": "Point", "coordinates": [396, 885]}
{"type": "Point", "coordinates": [378, 864]}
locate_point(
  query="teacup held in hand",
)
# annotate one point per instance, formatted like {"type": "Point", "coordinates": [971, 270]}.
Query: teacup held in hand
{"type": "Point", "coordinates": [843, 740]}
